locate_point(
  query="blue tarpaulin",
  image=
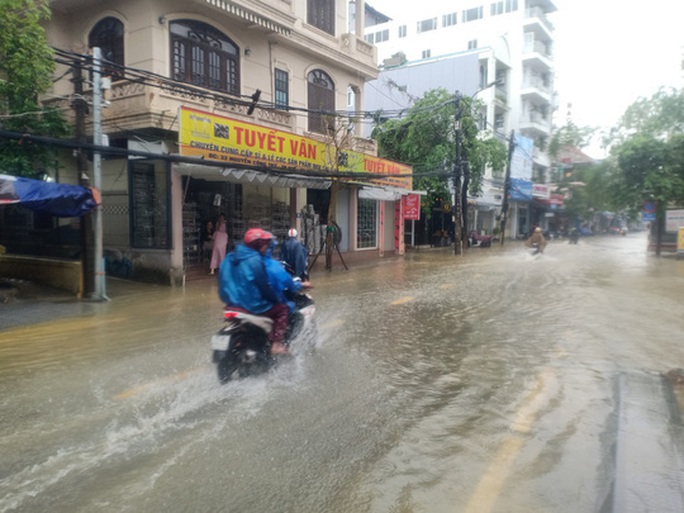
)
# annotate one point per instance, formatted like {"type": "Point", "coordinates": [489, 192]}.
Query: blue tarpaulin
{"type": "Point", "coordinates": [57, 199]}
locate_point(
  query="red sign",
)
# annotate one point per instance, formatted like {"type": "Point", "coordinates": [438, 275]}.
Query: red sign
{"type": "Point", "coordinates": [411, 207]}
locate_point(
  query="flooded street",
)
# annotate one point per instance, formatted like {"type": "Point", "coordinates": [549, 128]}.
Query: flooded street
{"type": "Point", "coordinates": [483, 383]}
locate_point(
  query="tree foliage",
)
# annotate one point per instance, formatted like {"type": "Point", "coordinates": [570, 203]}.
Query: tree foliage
{"type": "Point", "coordinates": [649, 150]}
{"type": "Point", "coordinates": [596, 193]}
{"type": "Point", "coordinates": [26, 68]}
{"type": "Point", "coordinates": [570, 135]}
{"type": "Point", "coordinates": [425, 139]}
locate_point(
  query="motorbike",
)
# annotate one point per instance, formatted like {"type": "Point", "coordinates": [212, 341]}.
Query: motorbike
{"type": "Point", "coordinates": [574, 236]}
{"type": "Point", "coordinates": [242, 348]}
{"type": "Point", "coordinates": [535, 249]}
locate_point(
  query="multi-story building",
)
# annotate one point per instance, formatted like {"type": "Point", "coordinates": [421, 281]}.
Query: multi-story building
{"type": "Point", "coordinates": [237, 82]}
{"type": "Point", "coordinates": [514, 42]}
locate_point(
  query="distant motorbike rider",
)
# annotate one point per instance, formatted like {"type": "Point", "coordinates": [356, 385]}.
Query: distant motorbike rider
{"type": "Point", "coordinates": [537, 238]}
{"type": "Point", "coordinates": [244, 283]}
{"type": "Point", "coordinates": [295, 255]}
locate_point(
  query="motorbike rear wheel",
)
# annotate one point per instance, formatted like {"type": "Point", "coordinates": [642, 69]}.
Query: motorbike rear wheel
{"type": "Point", "coordinates": [227, 366]}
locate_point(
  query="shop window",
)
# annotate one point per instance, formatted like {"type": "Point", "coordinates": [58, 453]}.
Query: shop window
{"type": "Point", "coordinates": [108, 35]}
{"type": "Point", "coordinates": [321, 14]}
{"type": "Point", "coordinates": [149, 205]}
{"type": "Point", "coordinates": [203, 56]}
{"type": "Point", "coordinates": [282, 92]}
{"type": "Point", "coordinates": [321, 91]}
{"type": "Point", "coordinates": [367, 224]}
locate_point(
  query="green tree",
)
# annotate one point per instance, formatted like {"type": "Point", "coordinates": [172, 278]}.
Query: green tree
{"type": "Point", "coordinates": [26, 69]}
{"type": "Point", "coordinates": [648, 145]}
{"type": "Point", "coordinates": [570, 135]}
{"type": "Point", "coordinates": [425, 139]}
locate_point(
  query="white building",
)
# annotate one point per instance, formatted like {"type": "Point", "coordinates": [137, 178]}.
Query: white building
{"type": "Point", "coordinates": [514, 43]}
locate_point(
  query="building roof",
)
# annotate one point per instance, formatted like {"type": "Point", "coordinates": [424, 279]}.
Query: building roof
{"type": "Point", "coordinates": [572, 155]}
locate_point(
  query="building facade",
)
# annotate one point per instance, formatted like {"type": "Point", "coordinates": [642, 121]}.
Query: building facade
{"type": "Point", "coordinates": [278, 67]}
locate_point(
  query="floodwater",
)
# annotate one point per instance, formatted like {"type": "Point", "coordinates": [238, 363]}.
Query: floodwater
{"type": "Point", "coordinates": [483, 383]}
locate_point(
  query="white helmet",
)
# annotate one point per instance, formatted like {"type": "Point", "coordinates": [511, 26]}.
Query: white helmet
{"type": "Point", "coordinates": [292, 233]}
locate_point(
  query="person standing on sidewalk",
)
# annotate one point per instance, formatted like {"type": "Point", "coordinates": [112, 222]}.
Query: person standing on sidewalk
{"type": "Point", "coordinates": [220, 238]}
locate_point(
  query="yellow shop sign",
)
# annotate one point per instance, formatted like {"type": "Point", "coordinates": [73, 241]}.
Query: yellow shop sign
{"type": "Point", "coordinates": [227, 140]}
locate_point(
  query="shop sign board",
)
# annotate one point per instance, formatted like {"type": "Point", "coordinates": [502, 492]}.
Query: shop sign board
{"type": "Point", "coordinates": [674, 219]}
{"type": "Point", "coordinates": [228, 140]}
{"type": "Point", "coordinates": [411, 207]}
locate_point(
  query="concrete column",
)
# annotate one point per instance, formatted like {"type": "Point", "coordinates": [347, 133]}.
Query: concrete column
{"type": "Point", "coordinates": [360, 17]}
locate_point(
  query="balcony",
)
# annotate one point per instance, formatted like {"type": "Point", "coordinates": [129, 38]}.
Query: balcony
{"type": "Point", "coordinates": [139, 107]}
{"type": "Point", "coordinates": [536, 125]}
{"type": "Point", "coordinates": [536, 53]}
{"type": "Point", "coordinates": [536, 91]}
{"type": "Point", "coordinates": [537, 22]}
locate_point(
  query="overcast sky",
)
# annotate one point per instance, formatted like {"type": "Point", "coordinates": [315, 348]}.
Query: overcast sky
{"type": "Point", "coordinates": [608, 53]}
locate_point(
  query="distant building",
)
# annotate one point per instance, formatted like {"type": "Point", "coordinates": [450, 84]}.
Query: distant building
{"type": "Point", "coordinates": [513, 41]}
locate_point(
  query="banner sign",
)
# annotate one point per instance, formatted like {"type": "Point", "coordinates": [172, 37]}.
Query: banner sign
{"type": "Point", "coordinates": [411, 207]}
{"type": "Point", "coordinates": [223, 139]}
{"type": "Point", "coordinates": [521, 160]}
{"type": "Point", "coordinates": [521, 190]}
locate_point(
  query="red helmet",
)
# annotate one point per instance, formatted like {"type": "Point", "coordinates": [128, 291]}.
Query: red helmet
{"type": "Point", "coordinates": [255, 234]}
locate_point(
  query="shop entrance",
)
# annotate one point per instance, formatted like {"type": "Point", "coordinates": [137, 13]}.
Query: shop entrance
{"type": "Point", "coordinates": [203, 202]}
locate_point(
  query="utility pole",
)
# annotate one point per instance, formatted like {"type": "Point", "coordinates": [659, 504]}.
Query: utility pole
{"type": "Point", "coordinates": [458, 222]}
{"type": "Point", "coordinates": [80, 106]}
{"type": "Point", "coordinates": [507, 186]}
{"type": "Point", "coordinates": [100, 286]}
{"type": "Point", "coordinates": [464, 204]}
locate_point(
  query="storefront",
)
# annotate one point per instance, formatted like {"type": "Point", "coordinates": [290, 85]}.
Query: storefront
{"type": "Point", "coordinates": [281, 182]}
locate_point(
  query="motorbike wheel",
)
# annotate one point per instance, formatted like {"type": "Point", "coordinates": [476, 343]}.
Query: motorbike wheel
{"type": "Point", "coordinates": [227, 366]}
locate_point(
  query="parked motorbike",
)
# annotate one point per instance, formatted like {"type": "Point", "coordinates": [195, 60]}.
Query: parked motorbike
{"type": "Point", "coordinates": [241, 347]}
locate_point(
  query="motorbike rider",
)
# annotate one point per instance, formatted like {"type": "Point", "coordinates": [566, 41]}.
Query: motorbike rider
{"type": "Point", "coordinates": [281, 281]}
{"type": "Point", "coordinates": [295, 255]}
{"type": "Point", "coordinates": [244, 283]}
{"type": "Point", "coordinates": [537, 238]}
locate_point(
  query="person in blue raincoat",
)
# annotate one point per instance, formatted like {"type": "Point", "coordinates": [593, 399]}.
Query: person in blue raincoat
{"type": "Point", "coordinates": [280, 280]}
{"type": "Point", "coordinates": [296, 255]}
{"type": "Point", "coordinates": [244, 283]}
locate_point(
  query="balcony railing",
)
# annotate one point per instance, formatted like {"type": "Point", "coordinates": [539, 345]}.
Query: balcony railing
{"type": "Point", "coordinates": [537, 12]}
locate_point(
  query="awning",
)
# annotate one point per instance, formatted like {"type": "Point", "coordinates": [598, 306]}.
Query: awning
{"type": "Point", "coordinates": [384, 193]}
{"type": "Point", "coordinates": [250, 16]}
{"type": "Point", "coordinates": [57, 199]}
{"type": "Point", "coordinates": [250, 176]}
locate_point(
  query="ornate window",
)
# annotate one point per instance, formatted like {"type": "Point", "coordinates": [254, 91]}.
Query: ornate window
{"type": "Point", "coordinates": [108, 35]}
{"type": "Point", "coordinates": [321, 98]}
{"type": "Point", "coordinates": [321, 14]}
{"type": "Point", "coordinates": [203, 56]}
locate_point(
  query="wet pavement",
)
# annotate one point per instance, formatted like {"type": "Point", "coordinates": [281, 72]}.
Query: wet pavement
{"type": "Point", "coordinates": [487, 383]}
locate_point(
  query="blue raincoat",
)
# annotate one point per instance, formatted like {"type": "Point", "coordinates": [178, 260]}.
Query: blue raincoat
{"type": "Point", "coordinates": [244, 282]}
{"type": "Point", "coordinates": [281, 280]}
